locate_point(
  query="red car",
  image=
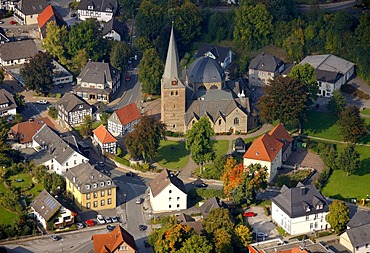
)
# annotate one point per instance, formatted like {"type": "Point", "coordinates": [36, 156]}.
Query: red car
{"type": "Point", "coordinates": [90, 223]}
{"type": "Point", "coordinates": [128, 77]}
{"type": "Point", "coordinates": [249, 214]}
{"type": "Point", "coordinates": [12, 22]}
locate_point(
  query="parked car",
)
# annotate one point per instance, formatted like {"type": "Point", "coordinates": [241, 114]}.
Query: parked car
{"type": "Point", "coordinates": [110, 228]}
{"type": "Point", "coordinates": [100, 164]}
{"type": "Point", "coordinates": [263, 235]}
{"type": "Point", "coordinates": [12, 22]}
{"type": "Point", "coordinates": [130, 174]}
{"type": "Point", "coordinates": [128, 77]}
{"type": "Point", "coordinates": [79, 225]}
{"type": "Point", "coordinates": [100, 219]}
{"type": "Point", "coordinates": [1, 22]}
{"type": "Point", "coordinates": [43, 102]}
{"type": "Point", "coordinates": [90, 223]}
{"type": "Point", "coordinates": [73, 15]}
{"type": "Point", "coordinates": [202, 185]}
{"type": "Point", "coordinates": [107, 172]}
{"type": "Point", "coordinates": [55, 238]}
{"type": "Point", "coordinates": [249, 214]}
{"type": "Point", "coordinates": [114, 219]}
{"type": "Point", "coordinates": [108, 220]}
{"type": "Point", "coordinates": [139, 200]}
{"type": "Point", "coordinates": [142, 227]}
{"type": "Point", "coordinates": [146, 244]}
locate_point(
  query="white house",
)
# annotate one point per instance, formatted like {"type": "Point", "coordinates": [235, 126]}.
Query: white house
{"type": "Point", "coordinates": [113, 30]}
{"type": "Point", "coordinates": [72, 109]}
{"type": "Point", "coordinates": [357, 237]}
{"type": "Point", "coordinates": [270, 150]}
{"type": "Point", "coordinates": [61, 75]}
{"type": "Point", "coordinates": [102, 10]}
{"type": "Point", "coordinates": [105, 140]}
{"type": "Point", "coordinates": [123, 120]}
{"type": "Point", "coordinates": [167, 193]}
{"type": "Point", "coordinates": [17, 52]}
{"type": "Point", "coordinates": [331, 72]}
{"type": "Point", "coordinates": [223, 55]}
{"type": "Point", "coordinates": [264, 68]}
{"type": "Point", "coordinates": [8, 106]}
{"type": "Point", "coordinates": [55, 153]}
{"type": "Point", "coordinates": [27, 11]}
{"type": "Point", "coordinates": [300, 209]}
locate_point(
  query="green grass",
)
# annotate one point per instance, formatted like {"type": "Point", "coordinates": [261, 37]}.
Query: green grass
{"type": "Point", "coordinates": [35, 190]}
{"type": "Point", "coordinates": [2, 188]}
{"type": "Point", "coordinates": [320, 124]}
{"type": "Point", "coordinates": [220, 147]}
{"type": "Point", "coordinates": [7, 217]}
{"type": "Point", "coordinates": [172, 154]}
{"type": "Point", "coordinates": [365, 111]}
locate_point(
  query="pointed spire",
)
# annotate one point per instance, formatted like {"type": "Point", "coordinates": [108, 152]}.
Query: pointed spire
{"type": "Point", "coordinates": [172, 68]}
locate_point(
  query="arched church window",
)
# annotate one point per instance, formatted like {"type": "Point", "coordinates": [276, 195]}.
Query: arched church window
{"type": "Point", "coordinates": [236, 121]}
{"type": "Point", "coordinates": [176, 93]}
{"type": "Point", "coordinates": [171, 93]}
{"type": "Point", "coordinates": [219, 122]}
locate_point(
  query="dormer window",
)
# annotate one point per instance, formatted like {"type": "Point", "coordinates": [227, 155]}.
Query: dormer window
{"type": "Point", "coordinates": [90, 7]}
{"type": "Point", "coordinates": [308, 209]}
{"type": "Point", "coordinates": [95, 185]}
{"type": "Point", "coordinates": [81, 106]}
{"type": "Point", "coordinates": [109, 182]}
{"type": "Point", "coordinates": [101, 184]}
{"type": "Point", "coordinates": [108, 9]}
{"type": "Point", "coordinates": [87, 186]}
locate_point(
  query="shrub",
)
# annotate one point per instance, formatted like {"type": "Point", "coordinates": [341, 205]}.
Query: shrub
{"type": "Point", "coordinates": [58, 95]}
{"type": "Point", "coordinates": [321, 181]}
{"type": "Point", "coordinates": [53, 112]}
{"type": "Point", "coordinates": [122, 161]}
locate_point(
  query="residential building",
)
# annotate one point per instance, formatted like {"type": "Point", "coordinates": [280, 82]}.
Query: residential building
{"type": "Point", "coordinates": [201, 90]}
{"type": "Point", "coordinates": [239, 145]}
{"type": "Point", "coordinates": [24, 131]}
{"type": "Point", "coordinates": [54, 152]}
{"type": "Point", "coordinates": [123, 120]}
{"type": "Point", "coordinates": [357, 237]}
{"type": "Point", "coordinates": [27, 11]}
{"type": "Point", "coordinates": [61, 75]}
{"type": "Point", "coordinates": [211, 204]}
{"type": "Point", "coordinates": [331, 72]}
{"type": "Point", "coordinates": [167, 193]}
{"type": "Point", "coordinates": [72, 109]}
{"type": "Point", "coordinates": [49, 14]}
{"type": "Point", "coordinates": [223, 55]}
{"type": "Point", "coordinates": [113, 30]}
{"type": "Point", "coordinates": [270, 150]}
{"type": "Point", "coordinates": [48, 210]}
{"type": "Point", "coordinates": [102, 10]}
{"type": "Point", "coordinates": [98, 81]}
{"type": "Point", "coordinates": [117, 241]}
{"type": "Point", "coordinates": [9, 4]}
{"type": "Point", "coordinates": [17, 52]}
{"type": "Point", "coordinates": [301, 209]}
{"type": "Point", "coordinates": [99, 109]}
{"type": "Point", "coordinates": [107, 143]}
{"type": "Point", "coordinates": [90, 189]}
{"type": "Point", "coordinates": [187, 220]}
{"type": "Point", "coordinates": [291, 246]}
{"type": "Point", "coordinates": [8, 106]}
{"type": "Point", "coordinates": [263, 68]}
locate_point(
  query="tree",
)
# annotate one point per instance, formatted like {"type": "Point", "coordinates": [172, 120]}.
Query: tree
{"type": "Point", "coordinates": [38, 73]}
{"type": "Point", "coordinates": [232, 176]}
{"type": "Point", "coordinates": [349, 159]}
{"type": "Point", "coordinates": [79, 61]}
{"type": "Point", "coordinates": [55, 41]}
{"type": "Point", "coordinates": [352, 126]}
{"type": "Point", "coordinates": [149, 20]}
{"type": "Point", "coordinates": [286, 99]}
{"type": "Point", "coordinates": [253, 25]}
{"type": "Point", "coordinates": [196, 244]}
{"type": "Point", "coordinates": [218, 219]}
{"type": "Point", "coordinates": [294, 47]}
{"type": "Point", "coordinates": [306, 74]}
{"type": "Point", "coordinates": [223, 241]}
{"type": "Point", "coordinates": [338, 215]}
{"type": "Point", "coordinates": [243, 236]}
{"type": "Point", "coordinates": [119, 54]}
{"type": "Point", "coordinates": [86, 126]}
{"type": "Point", "coordinates": [337, 103]}
{"type": "Point", "coordinates": [198, 141]}
{"type": "Point", "coordinates": [151, 69]}
{"type": "Point", "coordinates": [53, 112]}
{"type": "Point", "coordinates": [104, 118]}
{"type": "Point", "coordinates": [144, 140]}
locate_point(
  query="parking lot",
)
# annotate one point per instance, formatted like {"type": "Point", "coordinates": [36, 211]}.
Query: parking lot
{"type": "Point", "coordinates": [261, 224]}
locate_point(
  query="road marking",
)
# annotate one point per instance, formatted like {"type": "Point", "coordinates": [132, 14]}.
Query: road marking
{"type": "Point", "coordinates": [130, 98]}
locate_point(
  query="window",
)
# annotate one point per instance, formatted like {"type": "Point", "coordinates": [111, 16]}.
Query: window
{"type": "Point", "coordinates": [88, 196]}
{"type": "Point", "coordinates": [170, 191]}
{"type": "Point", "coordinates": [169, 206]}
{"type": "Point", "coordinates": [219, 122]}
{"type": "Point", "coordinates": [109, 201]}
{"type": "Point", "coordinates": [95, 203]}
{"type": "Point", "coordinates": [316, 225]}
{"type": "Point", "coordinates": [307, 217]}
{"type": "Point", "coordinates": [88, 205]}
{"type": "Point", "coordinates": [66, 163]}
{"type": "Point", "coordinates": [357, 248]}
{"type": "Point", "coordinates": [176, 93]}
{"type": "Point", "coordinates": [316, 216]}
{"type": "Point", "coordinates": [102, 193]}
{"type": "Point", "coordinates": [171, 93]}
{"type": "Point", "coordinates": [109, 192]}
{"type": "Point", "coordinates": [169, 199]}
{"type": "Point", "coordinates": [311, 225]}
{"type": "Point", "coordinates": [95, 195]}
{"type": "Point", "coordinates": [75, 162]}
{"type": "Point", "coordinates": [236, 121]}
{"type": "Point", "coordinates": [123, 247]}
{"type": "Point", "coordinates": [178, 205]}
{"type": "Point", "coordinates": [178, 198]}
{"type": "Point", "coordinates": [102, 202]}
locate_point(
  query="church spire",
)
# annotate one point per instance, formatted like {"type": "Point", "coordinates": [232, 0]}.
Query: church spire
{"type": "Point", "coordinates": [172, 68]}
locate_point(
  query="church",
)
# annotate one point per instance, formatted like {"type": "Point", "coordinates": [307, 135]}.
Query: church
{"type": "Point", "coordinates": [201, 90]}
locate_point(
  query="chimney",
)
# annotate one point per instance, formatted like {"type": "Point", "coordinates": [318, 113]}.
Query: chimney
{"type": "Point", "coordinates": [302, 191]}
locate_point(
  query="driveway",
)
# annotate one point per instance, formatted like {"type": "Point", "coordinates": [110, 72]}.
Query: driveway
{"type": "Point", "coordinates": [262, 223]}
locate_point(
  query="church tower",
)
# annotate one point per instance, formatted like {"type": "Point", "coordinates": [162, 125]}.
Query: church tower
{"type": "Point", "coordinates": [173, 91]}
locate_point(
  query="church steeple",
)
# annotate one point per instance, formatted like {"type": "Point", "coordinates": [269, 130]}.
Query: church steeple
{"type": "Point", "coordinates": [172, 70]}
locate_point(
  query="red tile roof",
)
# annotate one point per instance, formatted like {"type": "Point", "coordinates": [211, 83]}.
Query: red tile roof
{"type": "Point", "coordinates": [264, 148]}
{"type": "Point", "coordinates": [24, 131]}
{"type": "Point", "coordinates": [103, 135]}
{"type": "Point", "coordinates": [45, 15]}
{"type": "Point", "coordinates": [128, 114]}
{"type": "Point", "coordinates": [279, 132]}
{"type": "Point", "coordinates": [106, 243]}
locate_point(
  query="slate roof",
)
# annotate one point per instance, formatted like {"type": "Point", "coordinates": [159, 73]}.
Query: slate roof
{"type": "Point", "coordinates": [45, 205]}
{"type": "Point", "coordinates": [99, 5]}
{"type": "Point", "coordinates": [328, 62]}
{"type": "Point", "coordinates": [103, 135]}
{"type": "Point", "coordinates": [127, 114]}
{"type": "Point", "coordinates": [164, 179]}
{"type": "Point", "coordinates": [266, 62]}
{"type": "Point", "coordinates": [18, 50]}
{"type": "Point", "coordinates": [88, 179]}
{"type": "Point", "coordinates": [55, 147]}
{"type": "Point", "coordinates": [98, 72]}
{"type": "Point", "coordinates": [205, 70]}
{"type": "Point", "coordinates": [239, 143]}
{"type": "Point", "coordinates": [211, 204]}
{"type": "Point", "coordinates": [24, 131]}
{"type": "Point", "coordinates": [69, 101]}
{"type": "Point", "coordinates": [300, 201]}
{"type": "Point", "coordinates": [219, 52]}
{"type": "Point", "coordinates": [327, 76]}
{"type": "Point", "coordinates": [359, 218]}
{"type": "Point", "coordinates": [105, 243]}
{"type": "Point", "coordinates": [47, 15]}
{"type": "Point", "coordinates": [359, 236]}
{"type": "Point", "coordinates": [264, 148]}
{"type": "Point", "coordinates": [7, 98]}
{"type": "Point", "coordinates": [114, 25]}
{"type": "Point", "coordinates": [31, 7]}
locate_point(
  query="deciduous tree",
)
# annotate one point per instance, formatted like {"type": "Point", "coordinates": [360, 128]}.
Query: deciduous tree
{"type": "Point", "coordinates": [223, 241]}
{"type": "Point", "coordinates": [243, 236]}
{"type": "Point", "coordinates": [198, 141]}
{"type": "Point", "coordinates": [306, 74]}
{"type": "Point", "coordinates": [151, 70]}
{"type": "Point", "coordinates": [338, 216]}
{"type": "Point", "coordinates": [119, 54]}
{"type": "Point", "coordinates": [337, 103]}
{"type": "Point", "coordinates": [196, 244]}
{"type": "Point", "coordinates": [352, 126]}
{"type": "Point", "coordinates": [55, 41]}
{"type": "Point", "coordinates": [232, 176]}
{"type": "Point", "coordinates": [349, 159]}
{"type": "Point", "coordinates": [149, 20]}
{"type": "Point", "coordinates": [86, 126]}
{"type": "Point", "coordinates": [218, 219]}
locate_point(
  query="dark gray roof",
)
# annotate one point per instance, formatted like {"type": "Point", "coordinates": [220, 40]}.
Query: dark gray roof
{"type": "Point", "coordinates": [87, 179]}
{"type": "Point", "coordinates": [18, 50]}
{"type": "Point", "coordinates": [301, 201]}
{"type": "Point", "coordinates": [211, 204]}
{"type": "Point", "coordinates": [205, 70]}
{"type": "Point", "coordinates": [30, 7]}
{"type": "Point", "coordinates": [239, 143]}
{"type": "Point", "coordinates": [99, 5]}
{"type": "Point", "coordinates": [266, 62]}
{"type": "Point", "coordinates": [98, 72]}
{"type": "Point", "coordinates": [7, 98]}
{"type": "Point", "coordinates": [183, 217]}
{"type": "Point", "coordinates": [327, 76]}
{"type": "Point", "coordinates": [219, 52]}
{"type": "Point", "coordinates": [45, 205]}
{"type": "Point", "coordinates": [114, 25]}
{"type": "Point", "coordinates": [164, 179]}
{"type": "Point", "coordinates": [359, 236]}
{"type": "Point", "coordinates": [54, 146]}
{"type": "Point", "coordinates": [69, 101]}
{"type": "Point", "coordinates": [359, 218]}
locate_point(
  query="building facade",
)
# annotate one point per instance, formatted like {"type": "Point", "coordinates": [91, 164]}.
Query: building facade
{"type": "Point", "coordinates": [72, 109]}
{"type": "Point", "coordinates": [27, 11]}
{"type": "Point", "coordinates": [17, 52]}
{"type": "Point", "coordinates": [123, 120]}
{"type": "Point", "coordinates": [107, 143]}
{"type": "Point", "coordinates": [8, 106]}
{"type": "Point", "coordinates": [102, 10]}
{"type": "Point", "coordinates": [264, 68]}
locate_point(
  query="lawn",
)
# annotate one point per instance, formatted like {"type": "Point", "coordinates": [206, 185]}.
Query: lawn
{"type": "Point", "coordinates": [35, 190]}
{"type": "Point", "coordinates": [220, 147]}
{"type": "Point", "coordinates": [172, 154]}
{"type": "Point", "coordinates": [320, 124]}
{"type": "Point", "coordinates": [7, 217]}
{"type": "Point", "coordinates": [365, 111]}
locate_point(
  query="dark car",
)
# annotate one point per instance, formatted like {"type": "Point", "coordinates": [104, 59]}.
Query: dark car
{"type": "Point", "coordinates": [130, 174]}
{"type": "Point", "coordinates": [73, 15]}
{"type": "Point", "coordinates": [142, 227]}
{"type": "Point", "coordinates": [110, 228]}
{"type": "Point", "coordinates": [249, 214]}
{"type": "Point", "coordinates": [107, 172]}
{"type": "Point", "coordinates": [202, 185]}
{"type": "Point", "coordinates": [55, 238]}
{"type": "Point", "coordinates": [128, 77]}
{"type": "Point", "coordinates": [146, 244]}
